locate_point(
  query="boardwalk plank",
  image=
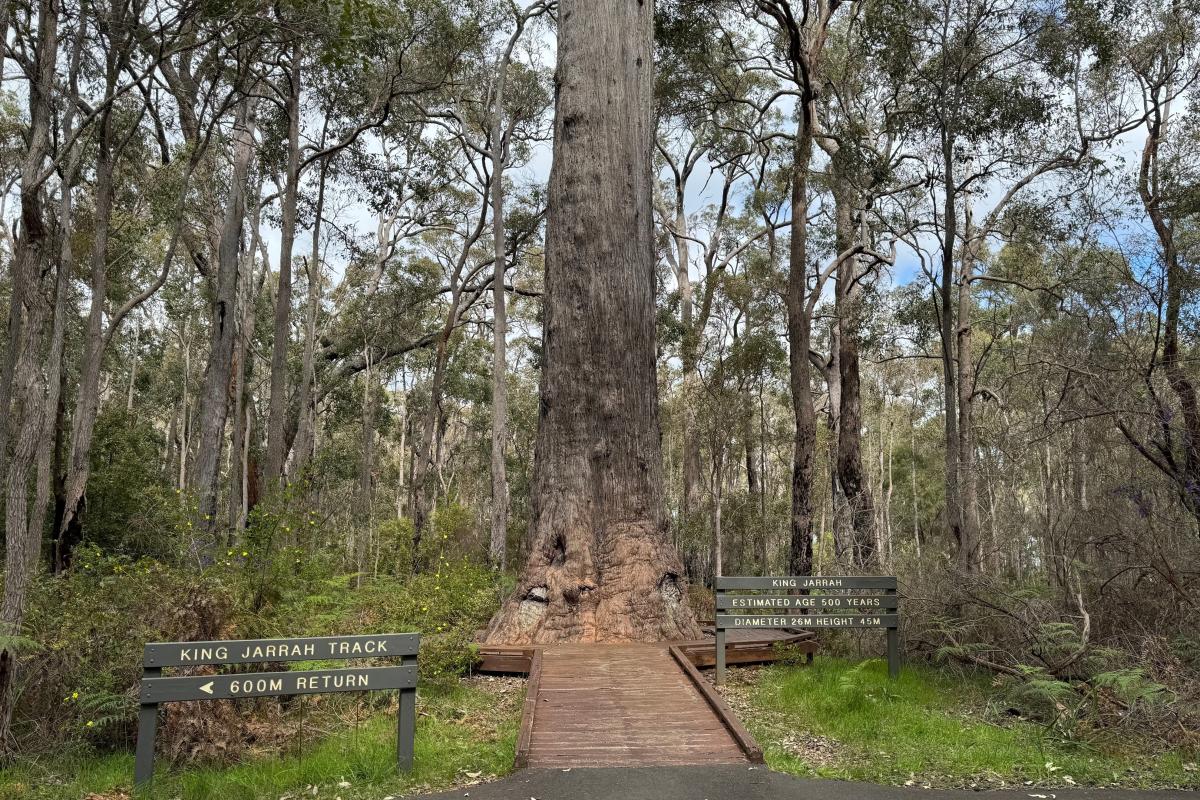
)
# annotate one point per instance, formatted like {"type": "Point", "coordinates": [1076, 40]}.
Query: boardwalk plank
{"type": "Point", "coordinates": [622, 705]}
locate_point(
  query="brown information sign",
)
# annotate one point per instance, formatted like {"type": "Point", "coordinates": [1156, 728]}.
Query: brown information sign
{"type": "Point", "coordinates": [816, 582]}
{"type": "Point", "coordinates": [271, 684]}
{"type": "Point", "coordinates": [258, 651]}
{"type": "Point", "coordinates": [157, 689]}
{"type": "Point", "coordinates": [844, 602]}
{"type": "Point", "coordinates": [841, 601]}
{"type": "Point", "coordinates": [729, 621]}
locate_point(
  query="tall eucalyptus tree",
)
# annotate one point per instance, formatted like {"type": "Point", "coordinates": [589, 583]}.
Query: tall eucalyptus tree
{"type": "Point", "coordinates": [600, 565]}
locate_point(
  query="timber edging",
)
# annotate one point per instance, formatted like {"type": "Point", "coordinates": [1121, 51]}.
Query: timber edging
{"type": "Point", "coordinates": [732, 724]}
{"type": "Point", "coordinates": [505, 659]}
{"type": "Point", "coordinates": [529, 710]}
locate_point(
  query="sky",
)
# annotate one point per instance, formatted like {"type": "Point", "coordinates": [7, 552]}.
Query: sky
{"type": "Point", "coordinates": [704, 188]}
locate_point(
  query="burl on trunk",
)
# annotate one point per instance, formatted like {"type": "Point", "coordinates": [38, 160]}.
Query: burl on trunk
{"type": "Point", "coordinates": [601, 567]}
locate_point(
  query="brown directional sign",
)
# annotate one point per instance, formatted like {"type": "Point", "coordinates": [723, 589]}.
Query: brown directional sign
{"type": "Point", "coordinates": [730, 621]}
{"type": "Point", "coordinates": [258, 651]}
{"type": "Point", "coordinates": [787, 583]}
{"type": "Point", "coordinates": [270, 684]}
{"type": "Point", "coordinates": [163, 655]}
{"type": "Point", "coordinates": [831, 601]}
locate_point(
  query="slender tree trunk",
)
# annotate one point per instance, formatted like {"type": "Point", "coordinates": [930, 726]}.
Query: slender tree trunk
{"type": "Point", "coordinates": [240, 444]}
{"type": "Point", "coordinates": [1174, 362]}
{"type": "Point", "coordinates": [87, 401]}
{"type": "Point", "coordinates": [969, 555]}
{"type": "Point", "coordinates": [799, 331]}
{"type": "Point", "coordinates": [58, 466]}
{"type": "Point", "coordinates": [851, 476]}
{"type": "Point", "coordinates": [214, 400]}
{"type": "Point", "coordinates": [498, 546]}
{"type": "Point", "coordinates": [764, 544]}
{"type": "Point", "coordinates": [425, 466]}
{"type": "Point", "coordinates": [916, 508]}
{"type": "Point", "coordinates": [48, 447]}
{"type": "Point", "coordinates": [238, 433]}
{"type": "Point", "coordinates": [277, 415]}
{"type": "Point", "coordinates": [366, 473]}
{"type": "Point", "coordinates": [750, 442]}
{"type": "Point", "coordinates": [22, 544]}
{"type": "Point", "coordinates": [53, 376]}
{"type": "Point", "coordinates": [718, 484]}
{"type": "Point", "coordinates": [367, 464]}
{"type": "Point", "coordinates": [134, 355]}
{"type": "Point", "coordinates": [50, 474]}
{"type": "Point", "coordinates": [185, 411]}
{"type": "Point", "coordinates": [601, 566]}
{"type": "Point", "coordinates": [306, 401]}
{"type": "Point", "coordinates": [689, 350]}
{"type": "Point", "coordinates": [953, 512]}
{"type": "Point", "coordinates": [843, 531]}
{"type": "Point", "coordinates": [402, 451]}
{"type": "Point", "coordinates": [887, 497]}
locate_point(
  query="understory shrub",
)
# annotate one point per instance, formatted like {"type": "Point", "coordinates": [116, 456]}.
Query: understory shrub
{"type": "Point", "coordinates": [1058, 658]}
{"type": "Point", "coordinates": [446, 606]}
{"type": "Point", "coordinates": [86, 629]}
{"type": "Point", "coordinates": [89, 626]}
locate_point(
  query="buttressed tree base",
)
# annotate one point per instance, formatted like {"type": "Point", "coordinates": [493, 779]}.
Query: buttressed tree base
{"type": "Point", "coordinates": [601, 566]}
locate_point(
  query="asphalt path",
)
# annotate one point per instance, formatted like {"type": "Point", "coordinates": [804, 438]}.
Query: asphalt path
{"type": "Point", "coordinates": [736, 782]}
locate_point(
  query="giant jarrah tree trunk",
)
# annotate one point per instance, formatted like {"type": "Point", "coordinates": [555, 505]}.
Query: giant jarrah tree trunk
{"type": "Point", "coordinates": [601, 567]}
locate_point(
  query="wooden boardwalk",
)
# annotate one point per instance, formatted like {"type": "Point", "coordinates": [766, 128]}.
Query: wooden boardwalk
{"type": "Point", "coordinates": [602, 705]}
{"type": "Point", "coordinates": [741, 647]}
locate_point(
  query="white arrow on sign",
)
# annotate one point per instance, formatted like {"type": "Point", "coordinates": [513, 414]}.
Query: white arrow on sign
{"type": "Point", "coordinates": [207, 688]}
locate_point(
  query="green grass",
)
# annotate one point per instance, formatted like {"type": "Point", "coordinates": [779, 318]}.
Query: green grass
{"type": "Point", "coordinates": [929, 727]}
{"type": "Point", "coordinates": [462, 734]}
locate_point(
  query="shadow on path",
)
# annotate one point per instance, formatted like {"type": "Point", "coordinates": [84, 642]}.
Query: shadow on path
{"type": "Point", "coordinates": [729, 782]}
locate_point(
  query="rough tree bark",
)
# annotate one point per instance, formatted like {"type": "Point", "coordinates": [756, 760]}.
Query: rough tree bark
{"type": "Point", "coordinates": [87, 402]}
{"type": "Point", "coordinates": [830, 369]}
{"type": "Point", "coordinates": [363, 533]}
{"type": "Point", "coordinates": [49, 454]}
{"type": "Point", "coordinates": [851, 476]}
{"type": "Point", "coordinates": [50, 449]}
{"type": "Point", "coordinates": [214, 399]}
{"type": "Point", "coordinates": [305, 437]}
{"type": "Point", "coordinates": [28, 384]}
{"type": "Point", "coordinates": [276, 416]}
{"type": "Point", "coordinates": [689, 349]}
{"type": "Point", "coordinates": [601, 566]}
{"type": "Point", "coordinates": [953, 512]}
{"type": "Point", "coordinates": [799, 334]}
{"type": "Point", "coordinates": [497, 550]}
{"type": "Point", "coordinates": [240, 474]}
{"type": "Point", "coordinates": [499, 152]}
{"type": "Point", "coordinates": [969, 553]}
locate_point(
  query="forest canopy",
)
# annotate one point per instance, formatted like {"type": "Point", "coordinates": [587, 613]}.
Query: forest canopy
{"type": "Point", "coordinates": [923, 277]}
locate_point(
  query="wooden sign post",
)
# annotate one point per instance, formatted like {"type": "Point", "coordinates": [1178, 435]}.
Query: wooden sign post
{"type": "Point", "coordinates": [160, 655]}
{"type": "Point", "coordinates": [839, 605]}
